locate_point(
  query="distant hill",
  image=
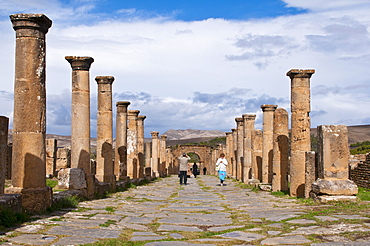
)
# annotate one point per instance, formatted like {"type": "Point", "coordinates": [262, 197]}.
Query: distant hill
{"type": "Point", "coordinates": [356, 134]}
{"type": "Point", "coordinates": [190, 133]}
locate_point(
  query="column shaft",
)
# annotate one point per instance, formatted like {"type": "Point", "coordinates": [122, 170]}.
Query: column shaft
{"type": "Point", "coordinates": [267, 139]}
{"type": "Point", "coordinates": [140, 145]}
{"type": "Point", "coordinates": [120, 166]}
{"type": "Point", "coordinates": [155, 153]}
{"type": "Point", "coordinates": [29, 121]}
{"type": "Point", "coordinates": [80, 125]}
{"type": "Point", "coordinates": [4, 125]}
{"type": "Point", "coordinates": [248, 128]}
{"type": "Point", "coordinates": [132, 144]}
{"type": "Point", "coordinates": [300, 132]}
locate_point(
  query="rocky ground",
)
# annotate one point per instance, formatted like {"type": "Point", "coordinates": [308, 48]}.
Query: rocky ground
{"type": "Point", "coordinates": [200, 213]}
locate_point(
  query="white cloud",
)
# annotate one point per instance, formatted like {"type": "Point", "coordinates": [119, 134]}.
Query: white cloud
{"type": "Point", "coordinates": [203, 74]}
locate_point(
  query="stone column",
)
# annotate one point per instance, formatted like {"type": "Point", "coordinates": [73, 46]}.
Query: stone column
{"type": "Point", "coordinates": [162, 154]}
{"type": "Point", "coordinates": [140, 144]}
{"type": "Point", "coordinates": [155, 153]}
{"type": "Point", "coordinates": [4, 125]}
{"type": "Point", "coordinates": [257, 154]}
{"type": "Point", "coordinates": [29, 120]}
{"type": "Point", "coordinates": [267, 139]}
{"type": "Point", "coordinates": [104, 141]}
{"type": "Point", "coordinates": [333, 183]}
{"type": "Point", "coordinates": [148, 154]}
{"type": "Point", "coordinates": [229, 153]}
{"type": "Point", "coordinates": [239, 148]}
{"type": "Point", "coordinates": [80, 131]}
{"type": "Point", "coordinates": [280, 151]}
{"type": "Point", "coordinates": [132, 142]}
{"type": "Point", "coordinates": [310, 172]}
{"type": "Point", "coordinates": [248, 129]}
{"type": "Point", "coordinates": [51, 156]}
{"type": "Point", "coordinates": [120, 165]}
{"type": "Point", "coordinates": [234, 154]}
{"type": "Point", "coordinates": [300, 128]}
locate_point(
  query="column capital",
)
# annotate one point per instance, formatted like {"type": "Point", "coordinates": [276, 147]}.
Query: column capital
{"type": "Point", "coordinates": [133, 113]}
{"type": "Point", "coordinates": [239, 119]}
{"type": "Point", "coordinates": [300, 73]}
{"type": "Point", "coordinates": [163, 137]}
{"type": "Point", "coordinates": [268, 107]}
{"type": "Point", "coordinates": [104, 79]}
{"type": "Point", "coordinates": [141, 117]}
{"type": "Point", "coordinates": [123, 104]}
{"type": "Point", "coordinates": [31, 21]}
{"type": "Point", "coordinates": [233, 130]}
{"type": "Point", "coordinates": [249, 117]}
{"type": "Point", "coordinates": [228, 133]}
{"type": "Point", "coordinates": [154, 134]}
{"type": "Point", "coordinates": [80, 62]}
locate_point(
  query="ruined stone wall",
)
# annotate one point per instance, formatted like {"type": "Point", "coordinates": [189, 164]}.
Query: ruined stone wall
{"type": "Point", "coordinates": [360, 173]}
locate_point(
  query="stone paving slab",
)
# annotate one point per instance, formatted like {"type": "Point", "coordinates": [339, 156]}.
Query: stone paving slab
{"type": "Point", "coordinates": [244, 236]}
{"type": "Point", "coordinates": [285, 240]}
{"type": "Point", "coordinates": [75, 241]}
{"type": "Point", "coordinates": [164, 211]}
{"type": "Point", "coordinates": [76, 231]}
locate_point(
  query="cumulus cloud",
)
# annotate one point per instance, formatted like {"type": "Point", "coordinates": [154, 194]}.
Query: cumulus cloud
{"type": "Point", "coordinates": [202, 74]}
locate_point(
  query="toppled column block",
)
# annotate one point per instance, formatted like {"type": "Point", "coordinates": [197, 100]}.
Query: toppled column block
{"type": "Point", "coordinates": [333, 169]}
{"type": "Point", "coordinates": [72, 179]}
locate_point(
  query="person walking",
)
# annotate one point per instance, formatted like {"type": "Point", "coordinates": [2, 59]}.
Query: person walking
{"type": "Point", "coordinates": [221, 168]}
{"type": "Point", "coordinates": [204, 170]}
{"type": "Point", "coordinates": [195, 170]}
{"type": "Point", "coordinates": [183, 168]}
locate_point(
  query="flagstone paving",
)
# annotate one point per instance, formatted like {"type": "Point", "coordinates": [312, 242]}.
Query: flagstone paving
{"type": "Point", "coordinates": [201, 213]}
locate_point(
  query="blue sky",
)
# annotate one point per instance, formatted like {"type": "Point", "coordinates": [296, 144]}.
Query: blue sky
{"type": "Point", "coordinates": [199, 64]}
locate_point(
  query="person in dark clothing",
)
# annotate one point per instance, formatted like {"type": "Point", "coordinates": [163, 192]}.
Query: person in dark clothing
{"type": "Point", "coordinates": [195, 170]}
{"type": "Point", "coordinates": [204, 170]}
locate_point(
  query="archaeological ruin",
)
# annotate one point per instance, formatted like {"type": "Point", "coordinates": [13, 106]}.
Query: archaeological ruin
{"type": "Point", "coordinates": [274, 158]}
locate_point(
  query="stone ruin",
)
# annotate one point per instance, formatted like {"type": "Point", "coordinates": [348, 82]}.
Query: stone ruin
{"type": "Point", "coordinates": [255, 156]}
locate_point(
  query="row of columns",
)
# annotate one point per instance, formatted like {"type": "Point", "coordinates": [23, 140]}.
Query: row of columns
{"type": "Point", "coordinates": [29, 122]}
{"type": "Point", "coordinates": [263, 156]}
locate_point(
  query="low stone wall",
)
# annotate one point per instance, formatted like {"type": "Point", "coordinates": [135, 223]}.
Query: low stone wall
{"type": "Point", "coordinates": [360, 173]}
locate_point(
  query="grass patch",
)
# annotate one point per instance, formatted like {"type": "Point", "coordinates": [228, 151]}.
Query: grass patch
{"type": "Point", "coordinates": [280, 193]}
{"type": "Point", "coordinates": [108, 223]}
{"type": "Point", "coordinates": [363, 194]}
{"type": "Point", "coordinates": [51, 183]}
{"type": "Point", "coordinates": [9, 218]}
{"type": "Point", "coordinates": [110, 209]}
{"type": "Point", "coordinates": [65, 202]}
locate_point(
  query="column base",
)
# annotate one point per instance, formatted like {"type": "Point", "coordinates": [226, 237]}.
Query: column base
{"type": "Point", "coordinates": [34, 200]}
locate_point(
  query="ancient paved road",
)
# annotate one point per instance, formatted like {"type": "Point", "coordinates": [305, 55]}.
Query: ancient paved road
{"type": "Point", "coordinates": [201, 213]}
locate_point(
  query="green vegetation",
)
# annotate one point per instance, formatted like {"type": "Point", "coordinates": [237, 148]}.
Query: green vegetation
{"type": "Point", "coordinates": [65, 202]}
{"type": "Point", "coordinates": [212, 143]}
{"type": "Point", "coordinates": [108, 223]}
{"type": "Point", "coordinates": [360, 148]}
{"type": "Point", "coordinates": [51, 183]}
{"type": "Point", "coordinates": [363, 194]}
{"type": "Point", "coordinates": [9, 218]}
{"type": "Point", "coordinates": [110, 209]}
{"type": "Point", "coordinates": [314, 141]}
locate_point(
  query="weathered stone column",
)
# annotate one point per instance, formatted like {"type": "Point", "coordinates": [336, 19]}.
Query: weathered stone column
{"type": "Point", "coordinates": [51, 156]}
{"type": "Point", "coordinates": [229, 153]}
{"type": "Point", "coordinates": [333, 183]}
{"type": "Point", "coordinates": [280, 151]}
{"type": "Point", "coordinates": [148, 154]}
{"type": "Point", "coordinates": [300, 128]}
{"type": "Point", "coordinates": [257, 154]}
{"type": "Point", "coordinates": [29, 121]}
{"type": "Point", "coordinates": [104, 141]}
{"type": "Point", "coordinates": [132, 142]}
{"type": "Point", "coordinates": [162, 155]}
{"type": "Point", "coordinates": [140, 144]}
{"type": "Point", "coordinates": [155, 153]}
{"type": "Point", "coordinates": [120, 165]}
{"type": "Point", "coordinates": [239, 148]}
{"type": "Point", "coordinates": [248, 129]}
{"type": "Point", "coordinates": [4, 125]}
{"type": "Point", "coordinates": [267, 139]}
{"type": "Point", "coordinates": [310, 172]}
{"type": "Point", "coordinates": [80, 131]}
{"type": "Point", "coordinates": [234, 154]}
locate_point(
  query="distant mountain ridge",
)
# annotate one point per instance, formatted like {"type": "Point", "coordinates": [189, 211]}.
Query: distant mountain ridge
{"type": "Point", "coordinates": [191, 133]}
